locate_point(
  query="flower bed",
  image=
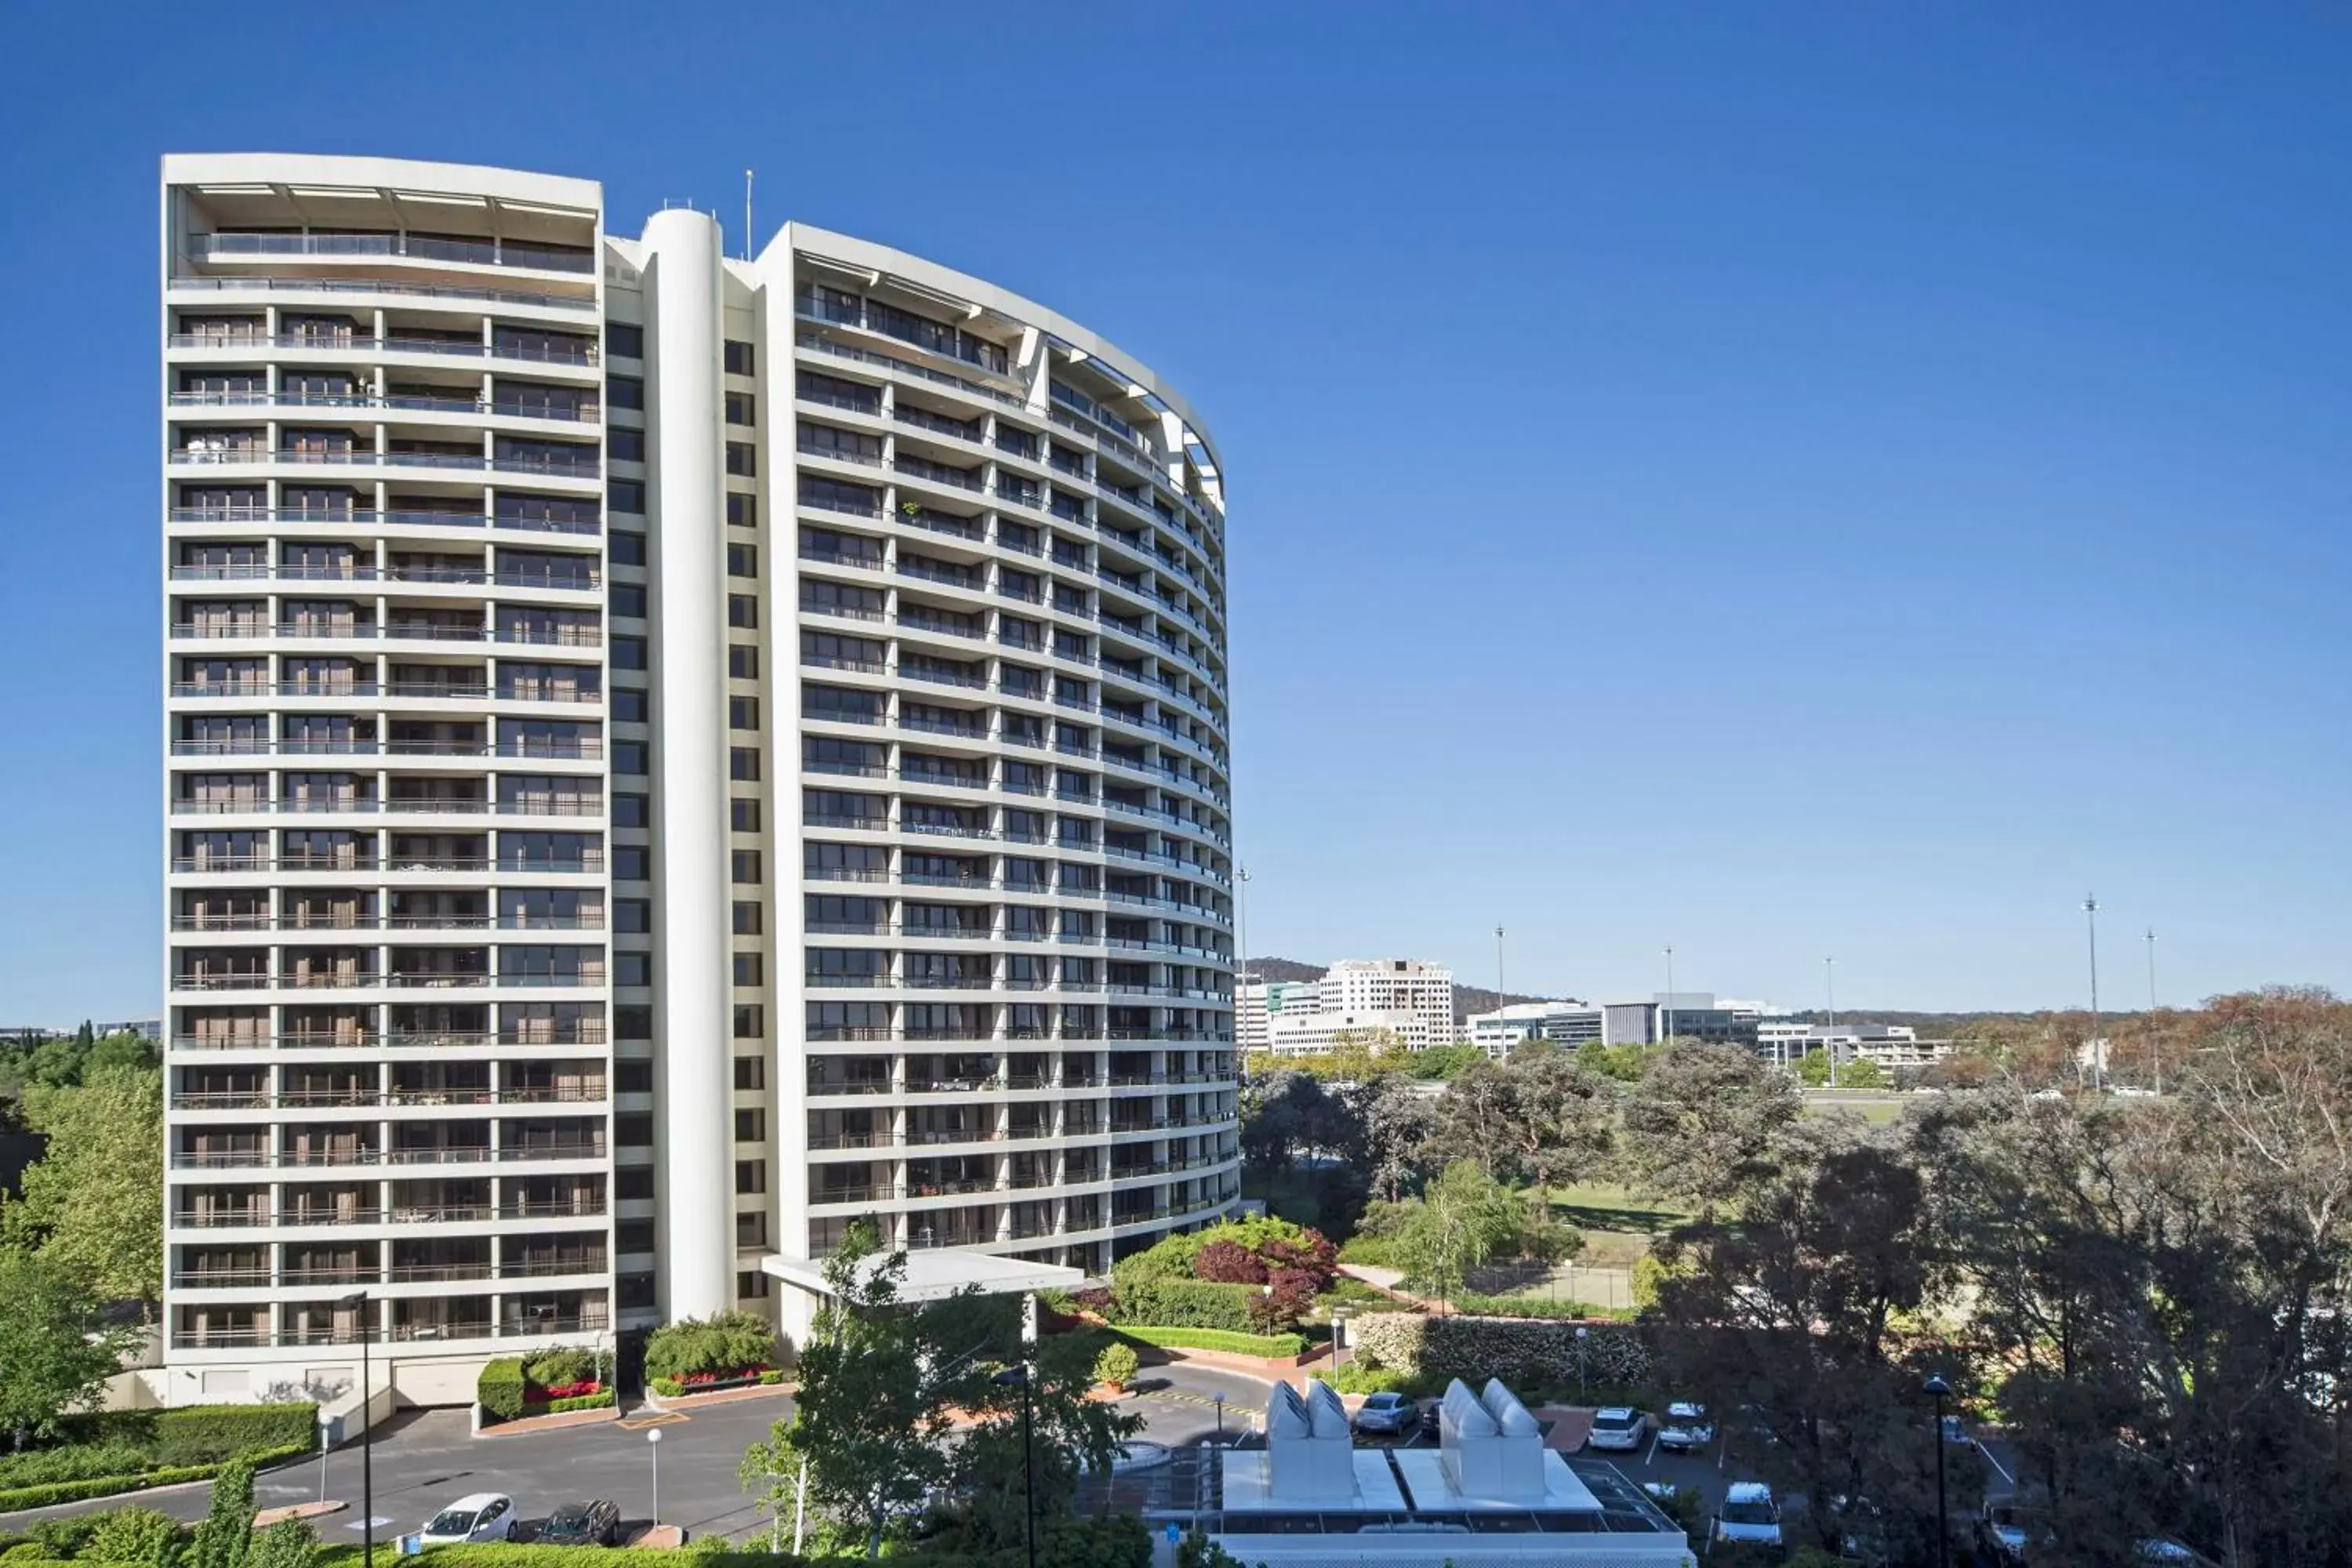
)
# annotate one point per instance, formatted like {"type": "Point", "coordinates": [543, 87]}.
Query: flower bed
{"type": "Point", "coordinates": [714, 1383]}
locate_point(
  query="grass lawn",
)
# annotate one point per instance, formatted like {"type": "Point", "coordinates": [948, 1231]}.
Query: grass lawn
{"type": "Point", "coordinates": [1875, 1109]}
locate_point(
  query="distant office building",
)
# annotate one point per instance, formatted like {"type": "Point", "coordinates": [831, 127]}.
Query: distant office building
{"type": "Point", "coordinates": [1569, 1022]}
{"type": "Point", "coordinates": [1402, 996]}
{"type": "Point", "coordinates": [1700, 1015]}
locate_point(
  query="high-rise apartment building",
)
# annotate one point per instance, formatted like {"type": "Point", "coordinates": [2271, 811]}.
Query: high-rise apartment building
{"type": "Point", "coordinates": [668, 755]}
{"type": "Point", "coordinates": [1402, 998]}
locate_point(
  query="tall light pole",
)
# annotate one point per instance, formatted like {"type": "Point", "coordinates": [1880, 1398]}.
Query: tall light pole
{"type": "Point", "coordinates": [2098, 1063]}
{"type": "Point", "coordinates": [653, 1447]}
{"type": "Point", "coordinates": [1940, 1390]}
{"type": "Point", "coordinates": [1829, 988]}
{"type": "Point", "coordinates": [2154, 1045]}
{"type": "Point", "coordinates": [360, 1302]}
{"type": "Point", "coordinates": [1498, 968]}
{"type": "Point", "coordinates": [1020, 1375]}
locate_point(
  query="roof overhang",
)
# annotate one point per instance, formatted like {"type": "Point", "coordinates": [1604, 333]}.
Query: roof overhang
{"type": "Point", "coordinates": [936, 1274]}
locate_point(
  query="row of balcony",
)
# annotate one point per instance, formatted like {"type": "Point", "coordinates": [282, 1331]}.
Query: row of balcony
{"type": "Point", "coordinates": [209, 288]}
{"type": "Point", "coordinates": [228, 245]}
{"type": "Point", "coordinates": [253, 338]}
{"type": "Point", "coordinates": [391, 518]}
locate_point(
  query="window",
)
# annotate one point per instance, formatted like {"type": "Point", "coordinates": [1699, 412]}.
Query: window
{"type": "Point", "coordinates": [633, 1023]}
{"type": "Point", "coordinates": [746, 868]}
{"type": "Point", "coordinates": [624, 342]}
{"type": "Point", "coordinates": [748, 970]}
{"type": "Point", "coordinates": [625, 494]}
{"type": "Point", "coordinates": [632, 969]}
{"type": "Point", "coordinates": [743, 510]}
{"type": "Point", "coordinates": [624, 391]}
{"type": "Point", "coordinates": [629, 705]}
{"type": "Point", "coordinates": [628, 653]}
{"type": "Point", "coordinates": [631, 810]}
{"type": "Point", "coordinates": [633, 1236]}
{"type": "Point", "coordinates": [743, 611]}
{"type": "Point", "coordinates": [742, 459]}
{"type": "Point", "coordinates": [740, 408]}
{"type": "Point", "coordinates": [628, 548]}
{"type": "Point", "coordinates": [748, 920]}
{"type": "Point", "coordinates": [635, 1182]}
{"type": "Point", "coordinates": [629, 599]}
{"type": "Point", "coordinates": [742, 712]}
{"type": "Point", "coordinates": [743, 815]}
{"type": "Point", "coordinates": [629, 757]}
{"type": "Point", "coordinates": [750, 1125]}
{"type": "Point", "coordinates": [625, 444]}
{"type": "Point", "coordinates": [742, 561]}
{"type": "Point", "coordinates": [743, 661]}
{"type": "Point", "coordinates": [743, 762]}
{"type": "Point", "coordinates": [632, 863]}
{"type": "Point", "coordinates": [633, 1077]}
{"type": "Point", "coordinates": [752, 1285]}
{"type": "Point", "coordinates": [750, 1175]}
{"type": "Point", "coordinates": [750, 1021]}
{"type": "Point", "coordinates": [739, 358]}
{"type": "Point", "coordinates": [632, 917]}
{"type": "Point", "coordinates": [750, 1072]}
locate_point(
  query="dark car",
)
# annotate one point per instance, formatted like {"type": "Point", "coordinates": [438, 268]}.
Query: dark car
{"type": "Point", "coordinates": [596, 1523]}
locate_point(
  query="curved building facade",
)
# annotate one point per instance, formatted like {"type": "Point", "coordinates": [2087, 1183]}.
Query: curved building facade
{"type": "Point", "coordinates": [669, 755]}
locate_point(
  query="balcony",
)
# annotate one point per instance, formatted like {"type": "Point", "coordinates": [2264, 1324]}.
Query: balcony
{"type": "Point", "coordinates": [412, 247]}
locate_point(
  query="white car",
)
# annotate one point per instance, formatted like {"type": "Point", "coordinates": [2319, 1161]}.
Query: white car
{"type": "Point", "coordinates": [1617, 1428]}
{"type": "Point", "coordinates": [1748, 1514]}
{"type": "Point", "coordinates": [480, 1516]}
{"type": "Point", "coordinates": [1687, 1427]}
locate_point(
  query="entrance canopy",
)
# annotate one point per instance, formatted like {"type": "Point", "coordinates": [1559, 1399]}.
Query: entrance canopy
{"type": "Point", "coordinates": [933, 1274]}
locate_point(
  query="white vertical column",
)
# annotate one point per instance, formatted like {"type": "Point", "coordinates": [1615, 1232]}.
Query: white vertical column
{"type": "Point", "coordinates": [686, 514]}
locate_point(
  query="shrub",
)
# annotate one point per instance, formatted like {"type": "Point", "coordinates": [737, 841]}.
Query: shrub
{"type": "Point", "coordinates": [1275, 1347]}
{"type": "Point", "coordinates": [132, 1534]}
{"type": "Point", "coordinates": [560, 1369]}
{"type": "Point", "coordinates": [1117, 1365]}
{"type": "Point", "coordinates": [215, 1434]}
{"type": "Point", "coordinates": [1357, 1378]}
{"type": "Point", "coordinates": [727, 1345]}
{"type": "Point", "coordinates": [1182, 1303]}
{"type": "Point", "coordinates": [65, 1538]}
{"type": "Point", "coordinates": [1229, 1263]}
{"type": "Point", "coordinates": [1290, 1296]}
{"type": "Point", "coordinates": [601, 1400]}
{"type": "Point", "coordinates": [499, 1388]}
{"type": "Point", "coordinates": [82, 1462]}
{"type": "Point", "coordinates": [1370, 1251]}
{"type": "Point", "coordinates": [1170, 1257]}
{"type": "Point", "coordinates": [665, 1387]}
{"type": "Point", "coordinates": [1470, 1304]}
{"type": "Point", "coordinates": [56, 1492]}
{"type": "Point", "coordinates": [1517, 1350]}
{"type": "Point", "coordinates": [288, 1544]}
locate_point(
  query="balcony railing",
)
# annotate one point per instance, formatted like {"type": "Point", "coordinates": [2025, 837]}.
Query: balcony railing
{"type": "Point", "coordinates": [425, 247]}
{"type": "Point", "coordinates": [380, 286]}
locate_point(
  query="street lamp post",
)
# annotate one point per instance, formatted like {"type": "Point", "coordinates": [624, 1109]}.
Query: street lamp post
{"type": "Point", "coordinates": [1829, 987]}
{"type": "Point", "coordinates": [1667, 1034]}
{"type": "Point", "coordinates": [359, 1301]}
{"type": "Point", "coordinates": [1338, 1335]}
{"type": "Point", "coordinates": [1010, 1376]}
{"type": "Point", "coordinates": [1582, 1334]}
{"type": "Point", "coordinates": [1220, 1420]}
{"type": "Point", "coordinates": [653, 1447]}
{"type": "Point", "coordinates": [2098, 1053]}
{"type": "Point", "coordinates": [2154, 1043]}
{"type": "Point", "coordinates": [1940, 1390]}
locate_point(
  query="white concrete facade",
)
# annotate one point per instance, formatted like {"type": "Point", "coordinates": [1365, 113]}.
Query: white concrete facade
{"type": "Point", "coordinates": [1404, 998]}
{"type": "Point", "coordinates": [776, 708]}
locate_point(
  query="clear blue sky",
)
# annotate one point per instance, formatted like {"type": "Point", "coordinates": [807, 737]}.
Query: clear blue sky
{"type": "Point", "coordinates": [1780, 480]}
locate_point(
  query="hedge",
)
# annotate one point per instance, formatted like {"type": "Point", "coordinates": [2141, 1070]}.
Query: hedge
{"type": "Point", "coordinates": [1120, 1542]}
{"type": "Point", "coordinates": [671, 1387]}
{"type": "Point", "coordinates": [81, 1462]}
{"type": "Point", "coordinates": [1274, 1347]}
{"type": "Point", "coordinates": [199, 1434]}
{"type": "Point", "coordinates": [51, 1495]}
{"type": "Point", "coordinates": [729, 1343]}
{"type": "Point", "coordinates": [1182, 1304]}
{"type": "Point", "coordinates": [1517, 1350]}
{"type": "Point", "coordinates": [602, 1399]}
{"type": "Point", "coordinates": [499, 1389]}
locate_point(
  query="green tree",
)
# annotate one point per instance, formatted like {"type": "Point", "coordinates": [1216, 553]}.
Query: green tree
{"type": "Point", "coordinates": [93, 1204]}
{"type": "Point", "coordinates": [871, 1421]}
{"type": "Point", "coordinates": [225, 1539]}
{"type": "Point", "coordinates": [1396, 1119]}
{"type": "Point", "coordinates": [1073, 1431]}
{"type": "Point", "coordinates": [288, 1544]}
{"type": "Point", "coordinates": [1708, 1124]}
{"type": "Point", "coordinates": [56, 1348]}
{"type": "Point", "coordinates": [1464, 1219]}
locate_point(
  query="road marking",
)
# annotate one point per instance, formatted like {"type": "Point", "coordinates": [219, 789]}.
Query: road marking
{"type": "Point", "coordinates": [660, 1418]}
{"type": "Point", "coordinates": [2007, 1478]}
{"type": "Point", "coordinates": [1653, 1452]}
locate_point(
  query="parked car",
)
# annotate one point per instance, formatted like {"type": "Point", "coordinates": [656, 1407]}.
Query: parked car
{"type": "Point", "coordinates": [592, 1523]}
{"type": "Point", "coordinates": [1748, 1514]}
{"type": "Point", "coordinates": [2009, 1530]}
{"type": "Point", "coordinates": [1387, 1413]}
{"type": "Point", "coordinates": [1685, 1428]}
{"type": "Point", "coordinates": [478, 1516]}
{"type": "Point", "coordinates": [1617, 1428]}
{"type": "Point", "coordinates": [2171, 1553]}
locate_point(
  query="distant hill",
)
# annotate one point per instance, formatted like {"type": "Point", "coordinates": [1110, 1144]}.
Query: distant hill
{"type": "Point", "coordinates": [1467, 999]}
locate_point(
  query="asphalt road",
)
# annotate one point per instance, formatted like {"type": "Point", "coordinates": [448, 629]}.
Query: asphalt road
{"type": "Point", "coordinates": [424, 1459]}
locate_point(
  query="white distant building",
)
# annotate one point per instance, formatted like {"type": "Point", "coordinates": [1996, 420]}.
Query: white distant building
{"type": "Point", "coordinates": [1569, 1022]}
{"type": "Point", "coordinates": [1786, 1042]}
{"type": "Point", "coordinates": [1402, 996]}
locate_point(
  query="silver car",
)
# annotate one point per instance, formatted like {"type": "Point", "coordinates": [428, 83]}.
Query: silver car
{"type": "Point", "coordinates": [1685, 1427]}
{"type": "Point", "coordinates": [1617, 1428]}
{"type": "Point", "coordinates": [1387, 1413]}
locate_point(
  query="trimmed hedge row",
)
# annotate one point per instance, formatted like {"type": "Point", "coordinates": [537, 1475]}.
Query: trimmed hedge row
{"type": "Point", "coordinates": [56, 1492]}
{"type": "Point", "coordinates": [199, 1434]}
{"type": "Point", "coordinates": [1120, 1542]}
{"type": "Point", "coordinates": [499, 1387]}
{"type": "Point", "coordinates": [1271, 1346]}
{"type": "Point", "coordinates": [1517, 1350]}
{"type": "Point", "coordinates": [603, 1399]}
{"type": "Point", "coordinates": [671, 1387]}
{"type": "Point", "coordinates": [1182, 1304]}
